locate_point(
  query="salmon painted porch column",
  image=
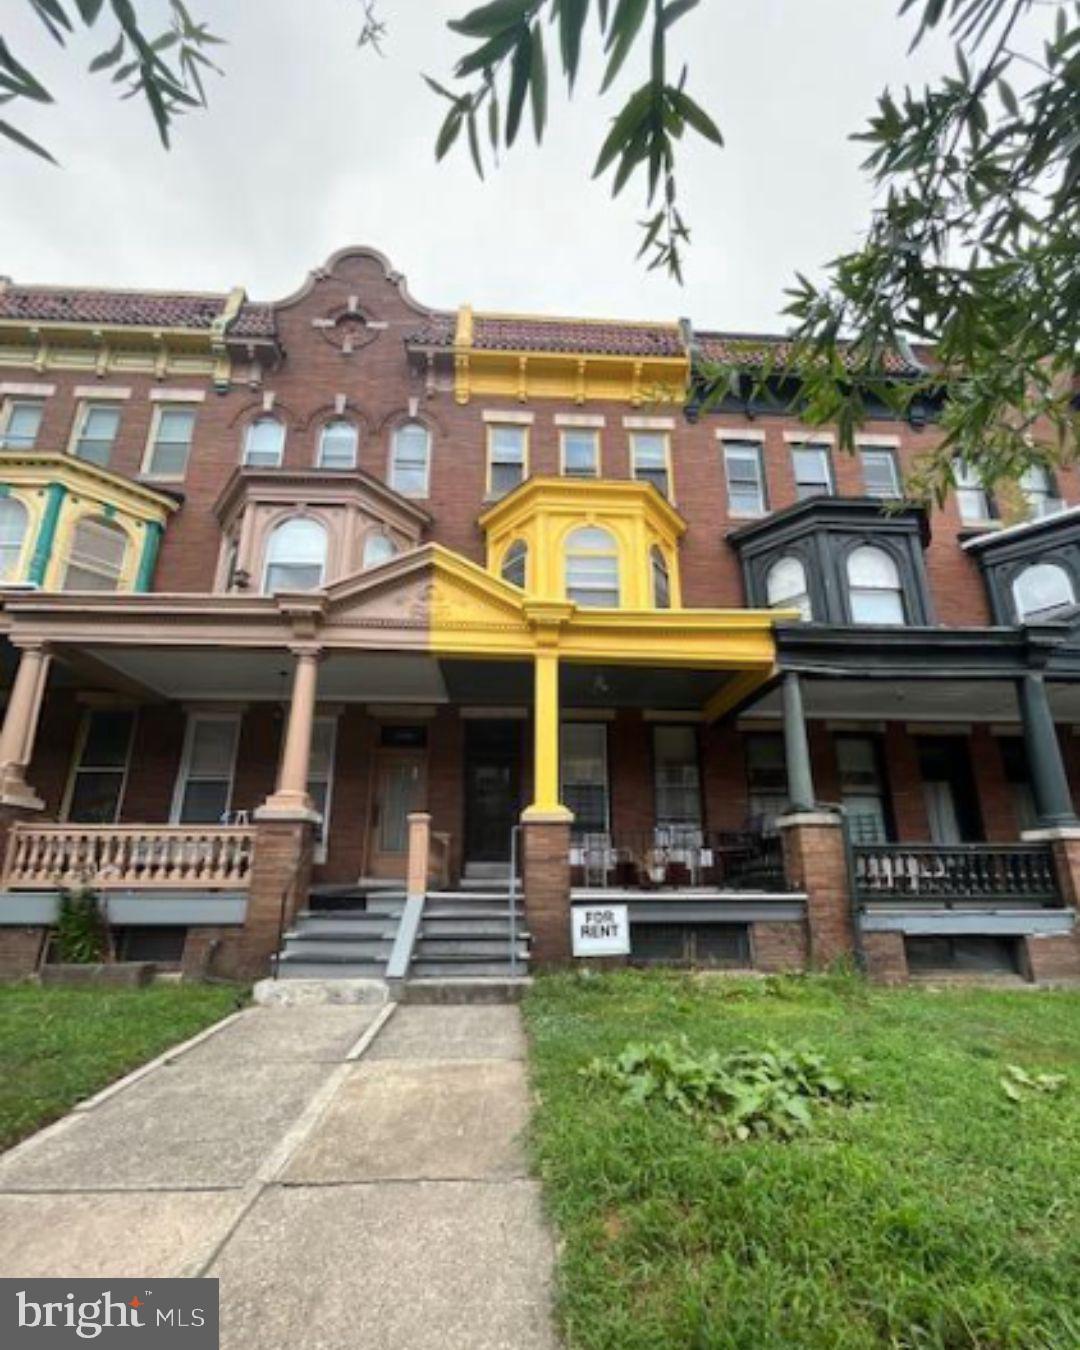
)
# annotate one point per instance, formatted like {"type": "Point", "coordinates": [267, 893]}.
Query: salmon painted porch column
{"type": "Point", "coordinates": [286, 821]}
{"type": "Point", "coordinates": [546, 826]}
{"type": "Point", "coordinates": [20, 728]}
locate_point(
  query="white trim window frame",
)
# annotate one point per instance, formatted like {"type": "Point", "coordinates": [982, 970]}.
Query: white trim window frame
{"type": "Point", "coordinates": [189, 774]}
{"type": "Point", "coordinates": [974, 501]}
{"type": "Point", "coordinates": [747, 497]}
{"type": "Point", "coordinates": [507, 457]}
{"type": "Point", "coordinates": [168, 442]}
{"type": "Point", "coordinates": [92, 537]}
{"type": "Point", "coordinates": [650, 460]}
{"type": "Point", "coordinates": [264, 456]}
{"type": "Point", "coordinates": [97, 425]}
{"type": "Point", "coordinates": [320, 784]}
{"type": "Point", "coordinates": [339, 444]}
{"type": "Point", "coordinates": [410, 466]}
{"type": "Point", "coordinates": [14, 533]}
{"type": "Point", "coordinates": [1040, 492]}
{"type": "Point", "coordinates": [27, 411]}
{"type": "Point", "coordinates": [811, 467]}
{"type": "Point", "coordinates": [118, 769]}
{"type": "Point", "coordinates": [880, 471]}
{"type": "Point", "coordinates": [579, 452]}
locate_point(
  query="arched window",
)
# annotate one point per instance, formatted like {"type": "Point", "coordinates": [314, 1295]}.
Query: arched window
{"type": "Point", "coordinates": [13, 522]}
{"type": "Point", "coordinates": [1040, 590]}
{"type": "Point", "coordinates": [785, 587]}
{"type": "Point", "coordinates": [661, 580]}
{"type": "Point", "coordinates": [98, 550]}
{"type": "Point", "coordinates": [410, 462]}
{"type": "Point", "coordinates": [337, 445]}
{"type": "Point", "coordinates": [874, 587]}
{"type": "Point", "coordinates": [592, 568]}
{"type": "Point", "coordinates": [295, 556]}
{"type": "Point", "coordinates": [264, 443]}
{"type": "Point", "coordinates": [377, 549]}
{"type": "Point", "coordinates": [514, 564]}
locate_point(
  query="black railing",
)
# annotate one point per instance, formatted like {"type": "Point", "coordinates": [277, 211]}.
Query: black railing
{"type": "Point", "coordinates": [955, 874]}
{"type": "Point", "coordinates": [679, 858]}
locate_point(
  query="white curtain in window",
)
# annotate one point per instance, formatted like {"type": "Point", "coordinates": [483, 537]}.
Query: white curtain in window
{"type": "Point", "coordinates": [377, 549]}
{"type": "Point", "coordinates": [1041, 589]}
{"type": "Point", "coordinates": [296, 556]}
{"type": "Point", "coordinates": [874, 587]}
{"type": "Point", "coordinates": [785, 587]}
{"type": "Point", "coordinates": [98, 550]}
{"type": "Point", "coordinates": [13, 522]}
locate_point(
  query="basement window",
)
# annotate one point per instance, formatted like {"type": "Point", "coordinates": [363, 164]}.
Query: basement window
{"type": "Point", "coordinates": [718, 945]}
{"type": "Point", "coordinates": [165, 945]}
{"type": "Point", "coordinates": [963, 955]}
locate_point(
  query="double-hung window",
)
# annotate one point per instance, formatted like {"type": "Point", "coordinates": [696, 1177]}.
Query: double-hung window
{"type": "Point", "coordinates": [649, 459]}
{"type": "Point", "coordinates": [20, 423]}
{"type": "Point", "coordinates": [881, 475]}
{"type": "Point", "coordinates": [584, 775]}
{"type": "Point", "coordinates": [95, 432]}
{"type": "Point", "coordinates": [264, 443]}
{"type": "Point", "coordinates": [592, 568]}
{"type": "Point", "coordinates": [14, 522]}
{"type": "Point", "coordinates": [581, 452]}
{"type": "Point", "coordinates": [170, 443]}
{"type": "Point", "coordinates": [862, 788]}
{"type": "Point", "coordinates": [410, 464]}
{"type": "Point", "coordinates": [321, 777]}
{"type": "Point", "coordinates": [1040, 491]}
{"type": "Point", "coordinates": [972, 497]}
{"type": "Point", "coordinates": [677, 777]}
{"type": "Point", "coordinates": [767, 781]}
{"type": "Point", "coordinates": [97, 557]}
{"type": "Point", "coordinates": [204, 788]}
{"type": "Point", "coordinates": [96, 792]}
{"type": "Point", "coordinates": [507, 450]}
{"type": "Point", "coordinates": [813, 471]}
{"type": "Point", "coordinates": [338, 443]}
{"type": "Point", "coordinates": [745, 478]}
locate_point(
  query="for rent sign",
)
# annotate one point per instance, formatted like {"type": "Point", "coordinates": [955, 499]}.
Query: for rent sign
{"type": "Point", "coordinates": [601, 930]}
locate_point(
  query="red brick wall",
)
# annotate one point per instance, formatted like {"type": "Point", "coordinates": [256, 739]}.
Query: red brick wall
{"type": "Point", "coordinates": [886, 958]}
{"type": "Point", "coordinates": [779, 946]}
{"type": "Point", "coordinates": [378, 384]}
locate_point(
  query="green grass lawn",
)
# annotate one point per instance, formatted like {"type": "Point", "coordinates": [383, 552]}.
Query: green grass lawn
{"type": "Point", "coordinates": [58, 1046]}
{"type": "Point", "coordinates": [937, 1215]}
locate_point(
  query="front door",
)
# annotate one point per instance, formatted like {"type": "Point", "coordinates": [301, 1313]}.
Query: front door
{"type": "Point", "coordinates": [400, 787]}
{"type": "Point", "coordinates": [492, 788]}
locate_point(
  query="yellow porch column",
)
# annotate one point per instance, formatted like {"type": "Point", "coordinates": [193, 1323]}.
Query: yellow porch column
{"type": "Point", "coordinates": [546, 804]}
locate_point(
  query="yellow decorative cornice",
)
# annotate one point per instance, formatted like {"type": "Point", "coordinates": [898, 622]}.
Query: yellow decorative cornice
{"type": "Point", "coordinates": [81, 478]}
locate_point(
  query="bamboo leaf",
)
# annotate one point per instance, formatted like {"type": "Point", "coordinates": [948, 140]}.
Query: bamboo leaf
{"type": "Point", "coordinates": [520, 71]}
{"type": "Point", "coordinates": [625, 26]}
{"type": "Point", "coordinates": [695, 116]}
{"type": "Point", "coordinates": [572, 17]}
{"type": "Point", "coordinates": [538, 83]}
{"type": "Point", "coordinates": [14, 134]}
{"type": "Point", "coordinates": [449, 132]}
{"type": "Point", "coordinates": [491, 19]}
{"type": "Point", "coordinates": [108, 58]}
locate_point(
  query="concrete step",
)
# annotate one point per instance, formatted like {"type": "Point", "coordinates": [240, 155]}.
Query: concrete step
{"type": "Point", "coordinates": [481, 924]}
{"type": "Point", "coordinates": [496, 948]}
{"type": "Point", "coordinates": [328, 970]}
{"type": "Point", "coordinates": [465, 989]}
{"type": "Point", "coordinates": [358, 925]}
{"type": "Point", "coordinates": [332, 949]}
{"type": "Point", "coordinates": [486, 871]}
{"type": "Point", "coordinates": [433, 970]}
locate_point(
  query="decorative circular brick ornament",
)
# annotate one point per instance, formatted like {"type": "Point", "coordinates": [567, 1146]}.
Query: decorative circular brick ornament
{"type": "Point", "coordinates": [347, 329]}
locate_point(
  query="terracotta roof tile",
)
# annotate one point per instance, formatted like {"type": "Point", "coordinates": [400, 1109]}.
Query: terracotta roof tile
{"type": "Point", "coordinates": [749, 349]}
{"type": "Point", "coordinates": [134, 308]}
{"type": "Point", "coordinates": [492, 332]}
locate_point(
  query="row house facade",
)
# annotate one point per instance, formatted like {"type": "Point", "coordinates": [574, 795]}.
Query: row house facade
{"type": "Point", "coordinates": [327, 619]}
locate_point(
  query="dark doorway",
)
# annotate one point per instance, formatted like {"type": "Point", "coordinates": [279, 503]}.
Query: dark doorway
{"type": "Point", "coordinates": [492, 788]}
{"type": "Point", "coordinates": [952, 804]}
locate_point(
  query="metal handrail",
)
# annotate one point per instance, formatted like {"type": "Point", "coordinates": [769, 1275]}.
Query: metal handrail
{"type": "Point", "coordinates": [515, 836]}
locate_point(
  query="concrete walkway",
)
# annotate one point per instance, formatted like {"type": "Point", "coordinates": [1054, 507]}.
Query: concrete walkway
{"type": "Point", "coordinates": [353, 1175]}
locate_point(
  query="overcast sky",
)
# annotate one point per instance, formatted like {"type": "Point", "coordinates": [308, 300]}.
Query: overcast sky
{"type": "Point", "coordinates": [310, 144]}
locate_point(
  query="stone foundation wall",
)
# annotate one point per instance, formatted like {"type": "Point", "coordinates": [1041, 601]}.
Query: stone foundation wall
{"type": "Point", "coordinates": [20, 951]}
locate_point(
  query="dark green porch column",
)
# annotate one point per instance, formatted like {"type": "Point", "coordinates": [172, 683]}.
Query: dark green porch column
{"type": "Point", "coordinates": [148, 561]}
{"type": "Point", "coordinates": [797, 747]}
{"type": "Point", "coordinates": [1053, 800]}
{"type": "Point", "coordinates": [43, 545]}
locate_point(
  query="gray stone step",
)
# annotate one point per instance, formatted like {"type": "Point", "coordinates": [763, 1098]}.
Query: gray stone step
{"type": "Point", "coordinates": [428, 949]}
{"type": "Point", "coordinates": [327, 970]}
{"type": "Point", "coordinates": [454, 925]}
{"type": "Point", "coordinates": [346, 925]}
{"type": "Point", "coordinates": [330, 949]}
{"type": "Point", "coordinates": [433, 970]}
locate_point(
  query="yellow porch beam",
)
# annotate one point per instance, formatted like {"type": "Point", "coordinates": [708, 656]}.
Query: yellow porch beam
{"type": "Point", "coordinates": [731, 694]}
